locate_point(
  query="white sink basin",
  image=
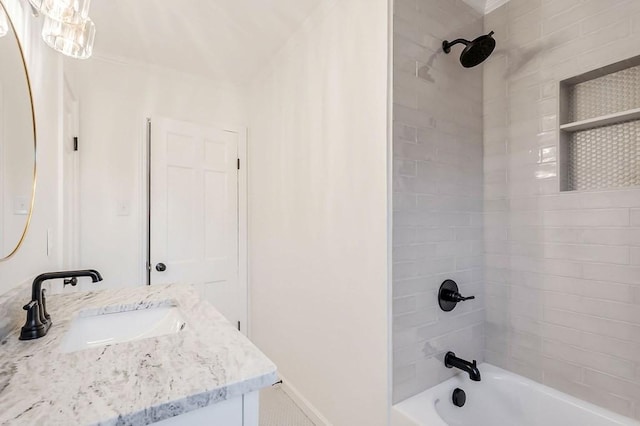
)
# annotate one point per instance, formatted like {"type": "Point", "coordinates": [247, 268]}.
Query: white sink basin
{"type": "Point", "coordinates": [110, 329]}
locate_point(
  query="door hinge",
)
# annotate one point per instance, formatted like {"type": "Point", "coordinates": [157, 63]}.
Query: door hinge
{"type": "Point", "coordinates": [75, 143]}
{"type": "Point", "coordinates": [238, 164]}
{"type": "Point", "coordinates": [238, 325]}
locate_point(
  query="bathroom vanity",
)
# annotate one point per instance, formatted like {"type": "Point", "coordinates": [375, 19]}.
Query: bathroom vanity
{"type": "Point", "coordinates": [137, 356]}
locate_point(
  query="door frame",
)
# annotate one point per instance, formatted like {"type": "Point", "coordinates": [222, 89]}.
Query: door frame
{"type": "Point", "coordinates": [69, 98]}
{"type": "Point", "coordinates": [2, 168]}
{"type": "Point", "coordinates": [145, 203]}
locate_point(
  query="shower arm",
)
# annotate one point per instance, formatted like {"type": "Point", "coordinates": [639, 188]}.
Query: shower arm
{"type": "Point", "coordinates": [446, 45]}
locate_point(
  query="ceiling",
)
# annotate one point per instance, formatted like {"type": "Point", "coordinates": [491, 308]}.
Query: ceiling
{"type": "Point", "coordinates": [221, 39]}
{"type": "Point", "coordinates": [485, 6]}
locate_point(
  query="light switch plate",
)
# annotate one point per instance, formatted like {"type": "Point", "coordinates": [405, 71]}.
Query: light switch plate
{"type": "Point", "coordinates": [21, 206]}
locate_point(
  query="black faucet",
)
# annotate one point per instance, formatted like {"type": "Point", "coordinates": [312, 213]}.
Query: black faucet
{"type": "Point", "coordinates": [38, 319]}
{"type": "Point", "coordinates": [451, 360]}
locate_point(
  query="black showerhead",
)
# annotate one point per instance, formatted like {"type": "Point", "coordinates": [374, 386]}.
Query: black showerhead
{"type": "Point", "coordinates": [475, 52]}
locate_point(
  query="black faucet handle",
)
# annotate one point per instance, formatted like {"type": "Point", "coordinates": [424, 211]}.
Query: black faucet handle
{"type": "Point", "coordinates": [33, 328]}
{"type": "Point", "coordinates": [73, 281]}
{"type": "Point", "coordinates": [30, 306]}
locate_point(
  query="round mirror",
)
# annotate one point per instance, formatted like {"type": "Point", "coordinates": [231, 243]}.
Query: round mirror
{"type": "Point", "coordinates": [17, 141]}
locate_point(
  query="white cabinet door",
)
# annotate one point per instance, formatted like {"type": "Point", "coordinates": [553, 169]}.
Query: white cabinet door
{"type": "Point", "coordinates": [241, 411]}
{"type": "Point", "coordinates": [251, 409]}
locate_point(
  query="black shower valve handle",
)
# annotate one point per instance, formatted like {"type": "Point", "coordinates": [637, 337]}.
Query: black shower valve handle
{"type": "Point", "coordinates": [449, 296]}
{"type": "Point", "coordinates": [461, 298]}
{"type": "Point", "coordinates": [454, 296]}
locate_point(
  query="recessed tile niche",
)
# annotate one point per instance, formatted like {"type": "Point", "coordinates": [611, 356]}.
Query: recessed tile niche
{"type": "Point", "coordinates": [600, 128]}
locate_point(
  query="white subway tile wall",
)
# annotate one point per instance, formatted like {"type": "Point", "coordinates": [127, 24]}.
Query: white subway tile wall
{"type": "Point", "coordinates": [562, 269]}
{"type": "Point", "coordinates": [437, 180]}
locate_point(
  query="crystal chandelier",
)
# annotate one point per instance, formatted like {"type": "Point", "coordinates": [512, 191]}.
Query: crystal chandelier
{"type": "Point", "coordinates": [67, 27]}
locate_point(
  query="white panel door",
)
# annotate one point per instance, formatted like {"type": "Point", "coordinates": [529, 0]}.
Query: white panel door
{"type": "Point", "coordinates": [194, 212]}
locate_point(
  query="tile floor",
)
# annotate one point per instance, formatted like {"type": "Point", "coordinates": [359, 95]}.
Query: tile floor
{"type": "Point", "coordinates": [277, 409]}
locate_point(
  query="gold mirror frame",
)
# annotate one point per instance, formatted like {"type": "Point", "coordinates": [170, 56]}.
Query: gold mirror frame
{"type": "Point", "coordinates": [35, 147]}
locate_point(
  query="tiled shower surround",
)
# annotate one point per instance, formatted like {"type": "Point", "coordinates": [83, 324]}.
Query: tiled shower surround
{"type": "Point", "coordinates": [561, 270]}
{"type": "Point", "coordinates": [437, 228]}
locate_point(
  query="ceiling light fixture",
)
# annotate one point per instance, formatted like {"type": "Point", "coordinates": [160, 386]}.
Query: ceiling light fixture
{"type": "Point", "coordinates": [73, 40]}
{"type": "Point", "coordinates": [67, 11]}
{"type": "Point", "coordinates": [67, 27]}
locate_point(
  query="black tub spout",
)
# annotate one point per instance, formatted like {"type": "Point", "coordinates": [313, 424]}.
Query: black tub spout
{"type": "Point", "coordinates": [471, 368]}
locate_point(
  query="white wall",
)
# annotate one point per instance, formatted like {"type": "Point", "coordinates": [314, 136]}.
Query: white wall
{"type": "Point", "coordinates": [318, 211]}
{"type": "Point", "coordinates": [45, 69]}
{"type": "Point", "coordinates": [115, 99]}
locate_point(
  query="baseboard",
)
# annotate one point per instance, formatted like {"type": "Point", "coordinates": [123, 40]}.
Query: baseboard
{"type": "Point", "coordinates": [304, 404]}
{"type": "Point", "coordinates": [399, 419]}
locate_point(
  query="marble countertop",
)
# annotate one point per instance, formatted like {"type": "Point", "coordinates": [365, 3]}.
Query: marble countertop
{"type": "Point", "coordinates": [132, 383]}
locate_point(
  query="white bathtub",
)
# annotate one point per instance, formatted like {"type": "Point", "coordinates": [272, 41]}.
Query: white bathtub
{"type": "Point", "coordinates": [501, 399]}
